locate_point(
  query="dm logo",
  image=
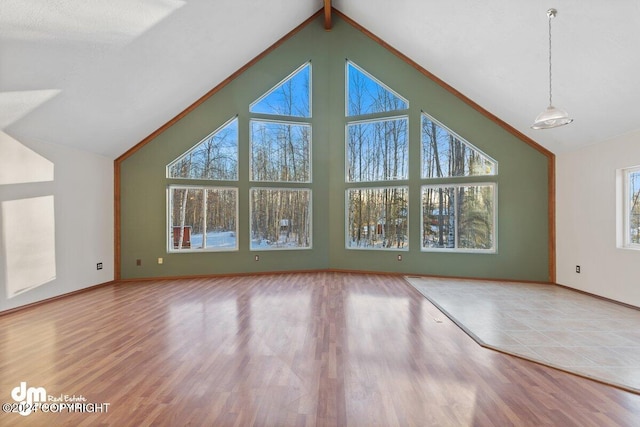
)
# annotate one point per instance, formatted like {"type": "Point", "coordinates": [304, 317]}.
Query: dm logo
{"type": "Point", "coordinates": [28, 396]}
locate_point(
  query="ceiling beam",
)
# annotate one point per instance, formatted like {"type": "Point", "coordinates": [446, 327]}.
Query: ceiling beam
{"type": "Point", "coordinates": [327, 15]}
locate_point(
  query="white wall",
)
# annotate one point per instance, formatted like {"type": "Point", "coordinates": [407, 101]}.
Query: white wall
{"type": "Point", "coordinates": [81, 187]}
{"type": "Point", "coordinates": [586, 221]}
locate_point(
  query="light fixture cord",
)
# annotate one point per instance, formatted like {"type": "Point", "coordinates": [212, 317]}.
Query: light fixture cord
{"type": "Point", "coordinates": [550, 17]}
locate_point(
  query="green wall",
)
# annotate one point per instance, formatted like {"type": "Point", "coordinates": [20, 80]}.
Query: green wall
{"type": "Point", "coordinates": [522, 182]}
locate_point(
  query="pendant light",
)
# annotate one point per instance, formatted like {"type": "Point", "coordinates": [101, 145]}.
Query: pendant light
{"type": "Point", "coordinates": [552, 117]}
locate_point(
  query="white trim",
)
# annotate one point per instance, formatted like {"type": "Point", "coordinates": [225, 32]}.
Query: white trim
{"type": "Point", "coordinates": [379, 119]}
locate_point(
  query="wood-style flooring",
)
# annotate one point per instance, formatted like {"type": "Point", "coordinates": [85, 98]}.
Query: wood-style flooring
{"type": "Point", "coordinates": [306, 349]}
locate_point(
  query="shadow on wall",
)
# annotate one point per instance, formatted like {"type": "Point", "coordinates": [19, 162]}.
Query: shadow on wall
{"type": "Point", "coordinates": [27, 219]}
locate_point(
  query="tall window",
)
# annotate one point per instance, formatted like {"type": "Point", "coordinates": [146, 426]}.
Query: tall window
{"type": "Point", "coordinates": [280, 165]}
{"type": "Point", "coordinates": [631, 207]}
{"type": "Point", "coordinates": [455, 216]}
{"type": "Point", "coordinates": [204, 217]}
{"type": "Point", "coordinates": [377, 151]}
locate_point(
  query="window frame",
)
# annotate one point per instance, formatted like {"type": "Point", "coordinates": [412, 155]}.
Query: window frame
{"type": "Point", "coordinates": [280, 83]}
{"type": "Point", "coordinates": [169, 218]}
{"type": "Point", "coordinates": [310, 216]}
{"type": "Point", "coordinates": [196, 145]}
{"type": "Point", "coordinates": [378, 81]}
{"type": "Point", "coordinates": [347, 236]}
{"type": "Point", "coordinates": [424, 114]}
{"type": "Point", "coordinates": [456, 249]}
{"type": "Point", "coordinates": [624, 241]}
{"type": "Point", "coordinates": [309, 125]}
{"type": "Point", "coordinates": [371, 121]}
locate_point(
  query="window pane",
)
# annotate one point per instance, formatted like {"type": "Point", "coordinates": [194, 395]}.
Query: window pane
{"type": "Point", "coordinates": [280, 152]}
{"type": "Point", "coordinates": [634, 207]}
{"type": "Point", "coordinates": [215, 157]}
{"type": "Point", "coordinates": [367, 95]}
{"type": "Point", "coordinates": [378, 218]}
{"type": "Point", "coordinates": [289, 98]}
{"type": "Point", "coordinates": [444, 154]}
{"type": "Point", "coordinates": [200, 212]}
{"type": "Point", "coordinates": [280, 218]}
{"type": "Point", "coordinates": [378, 150]}
{"type": "Point", "coordinates": [475, 217]}
{"type": "Point", "coordinates": [438, 215]}
{"type": "Point", "coordinates": [458, 217]}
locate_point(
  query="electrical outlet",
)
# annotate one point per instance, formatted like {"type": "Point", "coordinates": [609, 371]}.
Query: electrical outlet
{"type": "Point", "coordinates": [99, 266]}
{"type": "Point", "coordinates": [256, 258]}
{"type": "Point", "coordinates": [138, 262]}
{"type": "Point", "coordinates": [577, 269]}
{"type": "Point", "coordinates": [399, 257]}
{"type": "Point", "coordinates": [160, 260]}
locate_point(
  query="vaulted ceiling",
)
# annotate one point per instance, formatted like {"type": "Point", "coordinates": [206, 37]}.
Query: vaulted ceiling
{"type": "Point", "coordinates": [101, 75]}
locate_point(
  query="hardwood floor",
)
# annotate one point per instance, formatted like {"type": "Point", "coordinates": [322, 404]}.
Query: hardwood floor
{"type": "Point", "coordinates": [312, 349]}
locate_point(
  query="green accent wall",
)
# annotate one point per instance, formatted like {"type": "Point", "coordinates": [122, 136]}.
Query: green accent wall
{"type": "Point", "coordinates": [522, 182]}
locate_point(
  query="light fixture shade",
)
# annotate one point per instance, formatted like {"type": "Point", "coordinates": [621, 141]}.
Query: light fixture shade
{"type": "Point", "coordinates": [552, 117]}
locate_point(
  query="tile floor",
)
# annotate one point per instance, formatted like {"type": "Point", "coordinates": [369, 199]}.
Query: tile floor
{"type": "Point", "coordinates": [549, 324]}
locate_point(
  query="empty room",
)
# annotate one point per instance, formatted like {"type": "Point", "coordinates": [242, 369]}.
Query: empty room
{"type": "Point", "coordinates": [319, 213]}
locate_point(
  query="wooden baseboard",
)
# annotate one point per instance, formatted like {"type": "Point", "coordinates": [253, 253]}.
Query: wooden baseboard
{"type": "Point", "coordinates": [333, 270]}
{"type": "Point", "coordinates": [266, 273]}
{"type": "Point", "coordinates": [214, 275]}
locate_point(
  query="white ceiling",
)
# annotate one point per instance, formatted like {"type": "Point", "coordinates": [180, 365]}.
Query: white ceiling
{"type": "Point", "coordinates": [101, 75]}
